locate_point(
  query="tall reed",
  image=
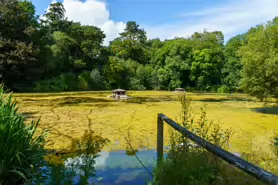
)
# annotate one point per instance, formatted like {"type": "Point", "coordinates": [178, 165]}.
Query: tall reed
{"type": "Point", "coordinates": [21, 147]}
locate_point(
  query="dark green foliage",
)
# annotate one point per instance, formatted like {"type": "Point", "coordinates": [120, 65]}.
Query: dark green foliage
{"type": "Point", "coordinates": [97, 80]}
{"type": "Point", "coordinates": [22, 149]}
{"type": "Point", "coordinates": [208, 58]}
{"type": "Point", "coordinates": [193, 168]}
{"type": "Point", "coordinates": [64, 82]}
{"type": "Point", "coordinates": [71, 82]}
{"type": "Point", "coordinates": [44, 55]}
{"type": "Point", "coordinates": [232, 70]}
{"type": "Point", "coordinates": [172, 64]}
{"type": "Point", "coordinates": [224, 89]}
{"type": "Point", "coordinates": [20, 44]}
{"type": "Point", "coordinates": [131, 44]}
{"type": "Point", "coordinates": [260, 64]}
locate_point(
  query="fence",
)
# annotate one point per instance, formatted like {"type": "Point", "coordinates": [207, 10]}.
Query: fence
{"type": "Point", "coordinates": [234, 160]}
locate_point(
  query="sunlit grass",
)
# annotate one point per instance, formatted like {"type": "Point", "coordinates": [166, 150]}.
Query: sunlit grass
{"type": "Point", "coordinates": [68, 115]}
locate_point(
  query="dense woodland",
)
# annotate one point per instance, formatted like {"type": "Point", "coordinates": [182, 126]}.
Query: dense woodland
{"type": "Point", "coordinates": [54, 54]}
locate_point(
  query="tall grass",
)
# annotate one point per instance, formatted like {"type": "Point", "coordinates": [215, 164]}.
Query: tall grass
{"type": "Point", "coordinates": [21, 148]}
{"type": "Point", "coordinates": [187, 163]}
{"type": "Point", "coordinates": [263, 152]}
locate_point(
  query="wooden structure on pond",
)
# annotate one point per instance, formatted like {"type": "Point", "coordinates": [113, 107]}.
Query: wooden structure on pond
{"type": "Point", "coordinates": [251, 169]}
{"type": "Point", "coordinates": [179, 90]}
{"type": "Point", "coordinates": [119, 94]}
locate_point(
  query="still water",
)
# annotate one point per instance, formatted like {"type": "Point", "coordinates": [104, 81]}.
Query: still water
{"type": "Point", "coordinates": [112, 168]}
{"type": "Point", "coordinates": [120, 168]}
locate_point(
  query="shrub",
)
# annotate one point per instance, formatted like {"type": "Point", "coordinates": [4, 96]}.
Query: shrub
{"type": "Point", "coordinates": [49, 85]}
{"type": "Point", "coordinates": [84, 79]}
{"type": "Point", "coordinates": [22, 149]}
{"type": "Point", "coordinates": [193, 165]}
{"type": "Point", "coordinates": [263, 152]}
{"type": "Point", "coordinates": [187, 163]}
{"type": "Point", "coordinates": [64, 82]}
{"type": "Point", "coordinates": [223, 89]}
{"type": "Point", "coordinates": [136, 84]}
{"type": "Point", "coordinates": [98, 82]}
{"type": "Point", "coordinates": [69, 81]}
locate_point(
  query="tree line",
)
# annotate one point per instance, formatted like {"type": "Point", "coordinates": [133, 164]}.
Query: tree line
{"type": "Point", "coordinates": [54, 54]}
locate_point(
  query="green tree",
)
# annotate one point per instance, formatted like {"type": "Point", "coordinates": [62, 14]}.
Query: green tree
{"type": "Point", "coordinates": [20, 46]}
{"type": "Point", "coordinates": [62, 53]}
{"type": "Point", "coordinates": [208, 58]}
{"type": "Point", "coordinates": [131, 44]}
{"type": "Point", "coordinates": [75, 49]}
{"type": "Point", "coordinates": [115, 72]}
{"type": "Point", "coordinates": [55, 17]}
{"type": "Point", "coordinates": [260, 61]}
{"type": "Point", "coordinates": [89, 41]}
{"type": "Point", "coordinates": [134, 33]}
{"type": "Point", "coordinates": [172, 63]}
{"type": "Point", "coordinates": [97, 79]}
{"type": "Point", "coordinates": [232, 70]}
{"type": "Point", "coordinates": [206, 67]}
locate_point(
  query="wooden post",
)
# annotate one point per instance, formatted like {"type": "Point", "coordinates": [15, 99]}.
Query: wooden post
{"type": "Point", "coordinates": [159, 139]}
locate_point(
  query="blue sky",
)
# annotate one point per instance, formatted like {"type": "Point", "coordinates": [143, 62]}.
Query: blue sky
{"type": "Point", "coordinates": [145, 11]}
{"type": "Point", "coordinates": [168, 18]}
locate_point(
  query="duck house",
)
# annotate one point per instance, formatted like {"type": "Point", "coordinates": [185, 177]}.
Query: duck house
{"type": "Point", "coordinates": [179, 90]}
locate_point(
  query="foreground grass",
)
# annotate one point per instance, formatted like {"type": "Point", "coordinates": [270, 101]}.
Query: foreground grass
{"type": "Point", "coordinates": [21, 152]}
{"type": "Point", "coordinates": [68, 115]}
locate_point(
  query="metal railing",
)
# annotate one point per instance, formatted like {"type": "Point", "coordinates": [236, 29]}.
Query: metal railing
{"type": "Point", "coordinates": [234, 160]}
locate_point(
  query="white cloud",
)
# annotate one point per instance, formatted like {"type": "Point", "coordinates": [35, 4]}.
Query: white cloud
{"type": "Point", "coordinates": [231, 19]}
{"type": "Point", "coordinates": [93, 12]}
{"type": "Point", "coordinates": [206, 12]}
{"type": "Point", "coordinates": [42, 17]}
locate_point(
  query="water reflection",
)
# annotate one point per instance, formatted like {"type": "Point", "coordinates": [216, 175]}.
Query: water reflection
{"type": "Point", "coordinates": [109, 168]}
{"type": "Point", "coordinates": [117, 167]}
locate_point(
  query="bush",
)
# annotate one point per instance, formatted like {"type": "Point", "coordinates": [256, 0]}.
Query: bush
{"type": "Point", "coordinates": [97, 79]}
{"type": "Point", "coordinates": [263, 152]}
{"type": "Point", "coordinates": [64, 82]}
{"type": "Point", "coordinates": [84, 79]}
{"type": "Point", "coordinates": [22, 149]}
{"type": "Point", "coordinates": [70, 82]}
{"type": "Point", "coordinates": [50, 85]}
{"type": "Point", "coordinates": [136, 84]}
{"type": "Point", "coordinates": [192, 168]}
{"type": "Point", "coordinates": [223, 89]}
{"type": "Point", "coordinates": [187, 163]}
{"type": "Point", "coordinates": [192, 164]}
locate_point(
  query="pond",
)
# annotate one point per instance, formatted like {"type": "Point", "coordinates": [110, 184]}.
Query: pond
{"type": "Point", "coordinates": [120, 168]}
{"type": "Point", "coordinates": [110, 168]}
